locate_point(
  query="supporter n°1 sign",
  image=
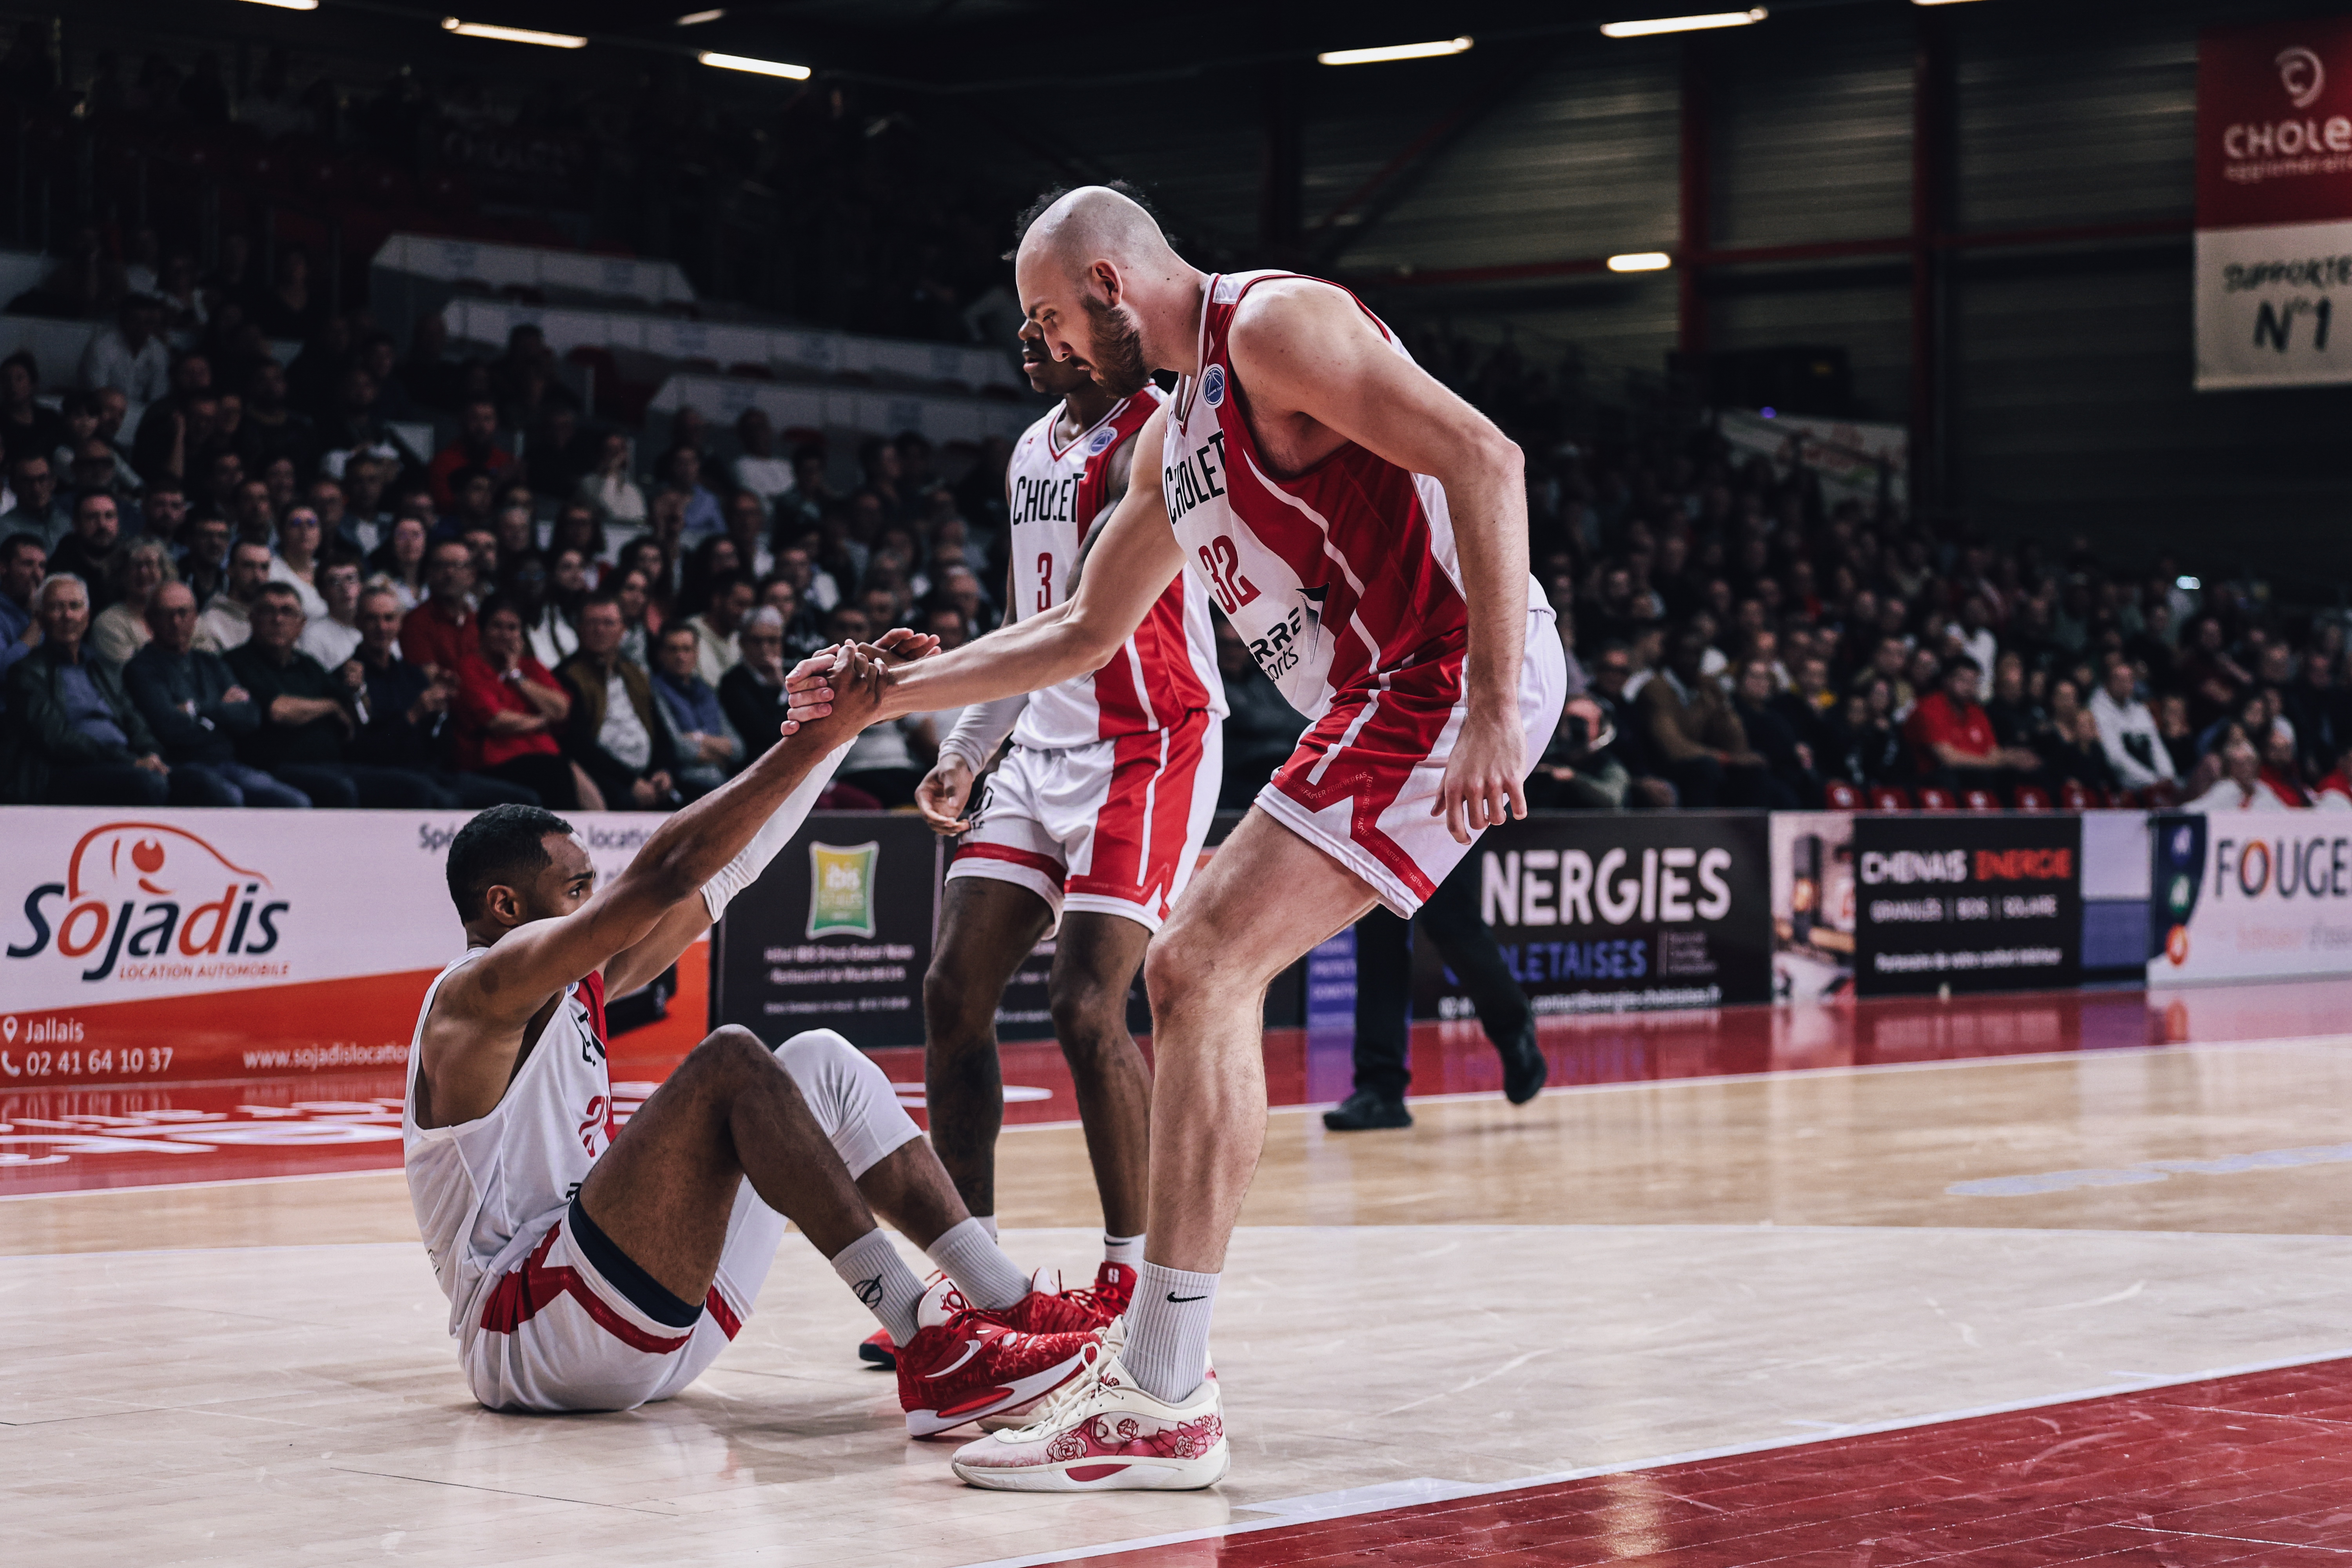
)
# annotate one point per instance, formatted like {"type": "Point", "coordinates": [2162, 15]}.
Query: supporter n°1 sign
{"type": "Point", "coordinates": [1976, 902]}
{"type": "Point", "coordinates": [2273, 254]}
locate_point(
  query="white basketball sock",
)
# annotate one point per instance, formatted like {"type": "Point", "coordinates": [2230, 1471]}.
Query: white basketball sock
{"type": "Point", "coordinates": [872, 1270]}
{"type": "Point", "coordinates": [1127, 1249]}
{"type": "Point", "coordinates": [990, 1280]}
{"type": "Point", "coordinates": [1167, 1349]}
{"type": "Point", "coordinates": [988, 1223]}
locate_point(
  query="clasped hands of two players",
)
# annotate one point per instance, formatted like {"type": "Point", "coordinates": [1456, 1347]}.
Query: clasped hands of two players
{"type": "Point", "coordinates": [847, 681]}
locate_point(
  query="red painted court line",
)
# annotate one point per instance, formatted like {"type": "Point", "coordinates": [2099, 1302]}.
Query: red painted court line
{"type": "Point", "coordinates": [2249, 1469]}
{"type": "Point", "coordinates": [71, 1140]}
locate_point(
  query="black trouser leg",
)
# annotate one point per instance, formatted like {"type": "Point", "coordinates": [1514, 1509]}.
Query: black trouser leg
{"type": "Point", "coordinates": [1383, 1004]}
{"type": "Point", "coordinates": [1451, 919]}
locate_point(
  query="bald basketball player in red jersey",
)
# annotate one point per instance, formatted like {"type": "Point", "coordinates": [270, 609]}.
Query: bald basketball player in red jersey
{"type": "Point", "coordinates": [1365, 531]}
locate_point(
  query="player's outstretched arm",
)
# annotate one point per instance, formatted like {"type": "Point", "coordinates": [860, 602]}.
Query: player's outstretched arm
{"type": "Point", "coordinates": [1306, 349]}
{"type": "Point", "coordinates": [533, 962]}
{"type": "Point", "coordinates": [1129, 568]}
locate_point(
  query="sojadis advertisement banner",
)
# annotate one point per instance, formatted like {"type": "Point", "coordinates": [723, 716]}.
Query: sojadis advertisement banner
{"type": "Point", "coordinates": [1601, 913]}
{"type": "Point", "coordinates": [2274, 203]}
{"type": "Point", "coordinates": [836, 935]}
{"type": "Point", "coordinates": [2249, 895]}
{"type": "Point", "coordinates": [1975, 901]}
{"type": "Point", "coordinates": [216, 944]}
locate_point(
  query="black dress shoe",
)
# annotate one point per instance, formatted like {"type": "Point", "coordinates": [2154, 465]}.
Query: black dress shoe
{"type": "Point", "coordinates": [1524, 1067]}
{"type": "Point", "coordinates": [1364, 1111]}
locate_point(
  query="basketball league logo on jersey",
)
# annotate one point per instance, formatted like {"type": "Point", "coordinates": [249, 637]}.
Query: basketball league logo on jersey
{"type": "Point", "coordinates": [1213, 385]}
{"type": "Point", "coordinates": [841, 889]}
{"type": "Point", "coordinates": [1102, 441]}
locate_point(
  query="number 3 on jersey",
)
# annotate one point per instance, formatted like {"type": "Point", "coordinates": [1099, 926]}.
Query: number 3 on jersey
{"type": "Point", "coordinates": [1223, 564]}
{"type": "Point", "coordinates": [1044, 582]}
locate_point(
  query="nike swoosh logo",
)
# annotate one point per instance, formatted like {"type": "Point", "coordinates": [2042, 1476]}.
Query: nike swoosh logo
{"type": "Point", "coordinates": [971, 1348]}
{"type": "Point", "coordinates": [1179, 1300]}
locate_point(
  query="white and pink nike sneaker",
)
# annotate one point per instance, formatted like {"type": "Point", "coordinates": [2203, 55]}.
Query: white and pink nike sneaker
{"type": "Point", "coordinates": [1099, 1432]}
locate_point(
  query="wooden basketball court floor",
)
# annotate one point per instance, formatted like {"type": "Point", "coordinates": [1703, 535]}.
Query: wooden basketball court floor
{"type": "Point", "coordinates": [2029, 1279]}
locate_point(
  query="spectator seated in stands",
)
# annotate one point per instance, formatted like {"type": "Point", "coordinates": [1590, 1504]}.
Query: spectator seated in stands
{"type": "Point", "coordinates": [1578, 771]}
{"type": "Point", "coordinates": [2281, 771]}
{"type": "Point", "coordinates": [609, 491]}
{"type": "Point", "coordinates": [2135, 745]}
{"type": "Point", "coordinates": [333, 639]}
{"type": "Point", "coordinates": [680, 470]}
{"type": "Point", "coordinates": [191, 702]}
{"type": "Point", "coordinates": [2077, 753]}
{"type": "Point", "coordinates": [1868, 744]}
{"type": "Point", "coordinates": [707, 747]}
{"type": "Point", "coordinates": [1791, 780]}
{"type": "Point", "coordinates": [309, 715]}
{"type": "Point", "coordinates": [85, 548]}
{"type": "Point", "coordinates": [717, 627]}
{"type": "Point", "coordinates": [440, 633]}
{"type": "Point", "coordinates": [1693, 735]}
{"type": "Point", "coordinates": [38, 510]}
{"type": "Point", "coordinates": [614, 734]}
{"type": "Point", "coordinates": [1952, 741]}
{"type": "Point", "coordinates": [294, 562]}
{"type": "Point", "coordinates": [24, 562]}
{"type": "Point", "coordinates": [136, 569]}
{"type": "Point", "coordinates": [131, 355]}
{"type": "Point", "coordinates": [752, 693]}
{"type": "Point", "coordinates": [72, 736]}
{"type": "Point", "coordinates": [28, 427]}
{"type": "Point", "coordinates": [2333, 793]}
{"type": "Point", "coordinates": [748, 530]}
{"type": "Point", "coordinates": [760, 470]}
{"type": "Point", "coordinates": [476, 447]}
{"type": "Point", "coordinates": [227, 618]}
{"type": "Point", "coordinates": [510, 710]}
{"type": "Point", "coordinates": [2240, 787]}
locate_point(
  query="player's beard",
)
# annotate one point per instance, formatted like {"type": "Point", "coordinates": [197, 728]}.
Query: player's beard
{"type": "Point", "coordinates": [1116, 355]}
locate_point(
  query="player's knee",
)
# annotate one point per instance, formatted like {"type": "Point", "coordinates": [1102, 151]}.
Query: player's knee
{"type": "Point", "coordinates": [955, 1014]}
{"type": "Point", "coordinates": [1085, 1009]}
{"type": "Point", "coordinates": [1175, 964]}
{"type": "Point", "coordinates": [727, 1052]}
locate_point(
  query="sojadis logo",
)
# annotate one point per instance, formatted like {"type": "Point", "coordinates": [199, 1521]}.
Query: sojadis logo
{"type": "Point", "coordinates": [149, 892]}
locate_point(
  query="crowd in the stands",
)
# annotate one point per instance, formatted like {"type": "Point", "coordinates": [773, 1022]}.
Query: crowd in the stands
{"type": "Point", "coordinates": [225, 580]}
{"type": "Point", "coordinates": [1734, 640]}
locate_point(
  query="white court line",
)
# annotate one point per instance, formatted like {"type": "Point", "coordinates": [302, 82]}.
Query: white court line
{"type": "Point", "coordinates": [2106, 1053]}
{"type": "Point", "coordinates": [1382, 1498]}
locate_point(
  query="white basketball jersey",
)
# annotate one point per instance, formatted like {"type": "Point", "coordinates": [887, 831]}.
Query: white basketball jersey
{"type": "Point", "coordinates": [1168, 668]}
{"type": "Point", "coordinates": [479, 1187]}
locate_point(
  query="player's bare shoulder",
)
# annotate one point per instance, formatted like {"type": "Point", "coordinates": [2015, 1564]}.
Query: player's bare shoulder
{"type": "Point", "coordinates": [1285, 326]}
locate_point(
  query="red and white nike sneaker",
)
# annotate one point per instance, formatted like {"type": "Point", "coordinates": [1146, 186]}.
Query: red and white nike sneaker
{"type": "Point", "coordinates": [1098, 1432]}
{"type": "Point", "coordinates": [962, 1364]}
{"type": "Point", "coordinates": [1048, 1309]}
{"type": "Point", "coordinates": [875, 1350]}
{"type": "Point", "coordinates": [1114, 1288]}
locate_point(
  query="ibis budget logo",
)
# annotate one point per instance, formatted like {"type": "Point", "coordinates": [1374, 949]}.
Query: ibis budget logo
{"type": "Point", "coordinates": [841, 889]}
{"type": "Point", "coordinates": [151, 902]}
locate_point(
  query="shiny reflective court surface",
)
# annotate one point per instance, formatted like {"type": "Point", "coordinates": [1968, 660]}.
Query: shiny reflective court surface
{"type": "Point", "coordinates": [2038, 1278]}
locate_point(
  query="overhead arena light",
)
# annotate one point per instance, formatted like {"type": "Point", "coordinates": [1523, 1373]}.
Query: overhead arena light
{"type": "Point", "coordinates": [696, 18]}
{"type": "Point", "coordinates": [1941, 2]}
{"type": "Point", "coordinates": [1640, 261]}
{"type": "Point", "coordinates": [757, 67]}
{"type": "Point", "coordinates": [511, 35]}
{"type": "Point", "coordinates": [1428, 51]}
{"type": "Point", "coordinates": [288, 5]}
{"type": "Point", "coordinates": [1682, 24]}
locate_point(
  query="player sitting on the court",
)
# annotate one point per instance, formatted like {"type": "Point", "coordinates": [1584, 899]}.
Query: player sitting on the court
{"type": "Point", "coordinates": [594, 1269]}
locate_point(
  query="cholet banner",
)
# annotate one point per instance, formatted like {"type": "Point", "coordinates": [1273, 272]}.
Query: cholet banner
{"type": "Point", "coordinates": [2273, 251]}
{"type": "Point", "coordinates": [136, 947]}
